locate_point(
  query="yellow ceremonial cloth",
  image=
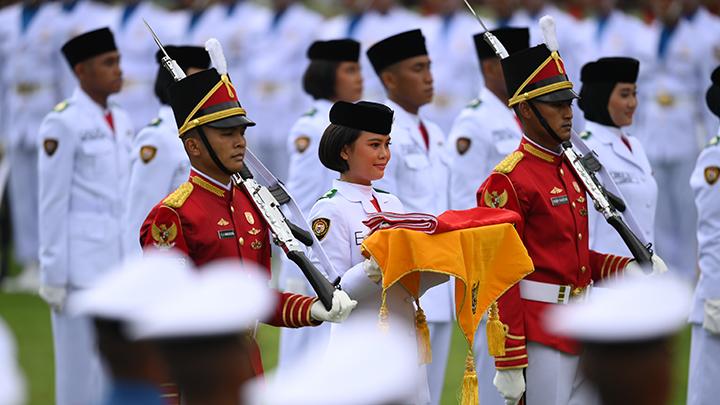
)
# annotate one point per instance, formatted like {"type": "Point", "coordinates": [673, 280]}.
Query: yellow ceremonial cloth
{"type": "Point", "coordinates": [485, 261]}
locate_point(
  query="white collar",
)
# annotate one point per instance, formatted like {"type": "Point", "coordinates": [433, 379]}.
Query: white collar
{"type": "Point", "coordinates": [537, 145]}
{"type": "Point", "coordinates": [210, 179]}
{"type": "Point", "coordinates": [401, 114]}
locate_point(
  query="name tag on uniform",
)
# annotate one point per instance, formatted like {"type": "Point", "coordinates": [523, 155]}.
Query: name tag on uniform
{"type": "Point", "coordinates": [226, 234]}
{"type": "Point", "coordinates": [559, 200]}
{"type": "Point", "coordinates": [622, 177]}
{"type": "Point", "coordinates": [359, 238]}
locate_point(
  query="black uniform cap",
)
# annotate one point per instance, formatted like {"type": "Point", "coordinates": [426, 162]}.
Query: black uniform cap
{"type": "Point", "coordinates": [206, 98]}
{"type": "Point", "coordinates": [513, 39]}
{"type": "Point", "coordinates": [536, 74]}
{"type": "Point", "coordinates": [396, 48]}
{"type": "Point", "coordinates": [611, 70]}
{"type": "Point", "coordinates": [337, 50]}
{"type": "Point", "coordinates": [88, 45]}
{"type": "Point", "coordinates": [363, 115]}
{"type": "Point", "coordinates": [712, 97]}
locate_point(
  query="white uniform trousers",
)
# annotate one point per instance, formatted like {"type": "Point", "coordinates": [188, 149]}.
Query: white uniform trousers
{"type": "Point", "coordinates": [440, 335]}
{"type": "Point", "coordinates": [485, 369]}
{"type": "Point", "coordinates": [703, 387]}
{"type": "Point", "coordinates": [553, 378]}
{"type": "Point", "coordinates": [79, 376]}
{"type": "Point", "coordinates": [676, 218]}
{"type": "Point", "coordinates": [23, 197]}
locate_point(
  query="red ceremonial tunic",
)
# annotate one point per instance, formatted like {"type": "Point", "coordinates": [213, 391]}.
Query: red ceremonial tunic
{"type": "Point", "coordinates": [207, 223]}
{"type": "Point", "coordinates": [544, 189]}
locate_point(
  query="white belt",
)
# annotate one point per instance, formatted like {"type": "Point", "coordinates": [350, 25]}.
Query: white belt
{"type": "Point", "coordinates": [551, 293]}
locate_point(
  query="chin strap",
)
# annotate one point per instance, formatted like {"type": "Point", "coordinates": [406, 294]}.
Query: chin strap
{"type": "Point", "coordinates": [543, 122]}
{"type": "Point", "coordinates": [210, 150]}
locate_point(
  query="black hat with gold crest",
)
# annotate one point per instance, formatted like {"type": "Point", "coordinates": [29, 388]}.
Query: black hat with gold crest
{"type": "Point", "coordinates": [206, 98]}
{"type": "Point", "coordinates": [538, 73]}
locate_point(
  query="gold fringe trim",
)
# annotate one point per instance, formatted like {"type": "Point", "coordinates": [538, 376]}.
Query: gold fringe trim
{"type": "Point", "coordinates": [383, 316]}
{"type": "Point", "coordinates": [469, 394]}
{"type": "Point", "coordinates": [177, 198]}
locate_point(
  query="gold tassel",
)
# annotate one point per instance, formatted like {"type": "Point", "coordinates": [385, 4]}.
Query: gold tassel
{"type": "Point", "coordinates": [423, 335]}
{"type": "Point", "coordinates": [496, 332]}
{"type": "Point", "coordinates": [226, 80]}
{"type": "Point", "coordinates": [469, 393]}
{"type": "Point", "coordinates": [383, 322]}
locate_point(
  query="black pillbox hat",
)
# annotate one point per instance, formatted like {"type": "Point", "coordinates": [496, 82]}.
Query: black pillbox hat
{"type": "Point", "coordinates": [363, 115]}
{"type": "Point", "coordinates": [396, 48]}
{"type": "Point", "coordinates": [88, 45]}
{"type": "Point", "coordinates": [339, 50]}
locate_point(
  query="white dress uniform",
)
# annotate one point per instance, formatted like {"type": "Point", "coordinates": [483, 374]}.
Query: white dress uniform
{"type": "Point", "coordinates": [75, 19]}
{"type": "Point", "coordinates": [138, 48]}
{"type": "Point", "coordinates": [616, 35]}
{"type": "Point", "coordinates": [668, 124]}
{"type": "Point", "coordinates": [275, 63]}
{"type": "Point", "coordinates": [483, 134]}
{"type": "Point", "coordinates": [705, 346]}
{"type": "Point", "coordinates": [83, 168]}
{"type": "Point", "coordinates": [632, 173]}
{"type": "Point", "coordinates": [307, 181]}
{"type": "Point", "coordinates": [337, 221]}
{"type": "Point", "coordinates": [419, 177]}
{"type": "Point", "coordinates": [159, 165]}
{"type": "Point", "coordinates": [31, 90]}
{"type": "Point", "coordinates": [456, 71]}
{"type": "Point", "coordinates": [375, 28]}
{"type": "Point", "coordinates": [707, 26]}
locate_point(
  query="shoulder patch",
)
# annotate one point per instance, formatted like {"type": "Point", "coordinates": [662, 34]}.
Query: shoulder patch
{"type": "Point", "coordinates": [50, 145]}
{"type": "Point", "coordinates": [301, 143]}
{"type": "Point", "coordinates": [712, 174]}
{"type": "Point", "coordinates": [585, 135]}
{"type": "Point", "coordinates": [329, 194]}
{"type": "Point", "coordinates": [61, 106]}
{"type": "Point", "coordinates": [508, 164]}
{"type": "Point", "coordinates": [155, 122]}
{"type": "Point", "coordinates": [177, 198]}
{"type": "Point", "coordinates": [381, 191]}
{"type": "Point", "coordinates": [320, 227]}
{"type": "Point", "coordinates": [147, 153]}
{"type": "Point", "coordinates": [495, 199]}
{"type": "Point", "coordinates": [474, 104]}
{"type": "Point", "coordinates": [311, 112]}
{"type": "Point", "coordinates": [463, 145]}
{"type": "Point", "coordinates": [714, 141]}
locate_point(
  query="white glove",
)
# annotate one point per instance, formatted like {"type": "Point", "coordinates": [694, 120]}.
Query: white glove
{"type": "Point", "coordinates": [658, 267]}
{"type": "Point", "coordinates": [711, 321]}
{"type": "Point", "coordinates": [54, 296]}
{"type": "Point", "coordinates": [342, 305]}
{"type": "Point", "coordinates": [510, 384]}
{"type": "Point", "coordinates": [372, 270]}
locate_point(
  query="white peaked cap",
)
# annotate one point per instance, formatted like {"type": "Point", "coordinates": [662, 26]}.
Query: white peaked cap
{"type": "Point", "coordinates": [225, 297]}
{"type": "Point", "coordinates": [132, 287]}
{"type": "Point", "coordinates": [362, 365]}
{"type": "Point", "coordinates": [12, 383]}
{"type": "Point", "coordinates": [634, 308]}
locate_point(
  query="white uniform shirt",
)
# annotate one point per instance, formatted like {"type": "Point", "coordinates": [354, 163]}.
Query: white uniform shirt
{"type": "Point", "coordinates": [159, 165]}
{"type": "Point", "coordinates": [669, 107]}
{"type": "Point", "coordinates": [83, 184]}
{"type": "Point", "coordinates": [29, 60]}
{"type": "Point", "coordinates": [707, 26]}
{"type": "Point", "coordinates": [493, 132]}
{"type": "Point", "coordinates": [707, 201]}
{"type": "Point", "coordinates": [419, 178]}
{"type": "Point", "coordinates": [137, 50]}
{"type": "Point", "coordinates": [308, 179]}
{"type": "Point", "coordinates": [618, 35]}
{"type": "Point", "coordinates": [456, 70]}
{"type": "Point", "coordinates": [632, 173]}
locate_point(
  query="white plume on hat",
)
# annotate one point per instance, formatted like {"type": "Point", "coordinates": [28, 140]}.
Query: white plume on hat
{"type": "Point", "coordinates": [547, 25]}
{"type": "Point", "coordinates": [213, 47]}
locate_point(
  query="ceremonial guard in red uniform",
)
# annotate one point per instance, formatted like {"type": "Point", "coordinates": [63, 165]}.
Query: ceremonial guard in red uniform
{"type": "Point", "coordinates": [207, 217]}
{"type": "Point", "coordinates": [539, 183]}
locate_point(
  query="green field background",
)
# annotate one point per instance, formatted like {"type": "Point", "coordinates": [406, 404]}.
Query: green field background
{"type": "Point", "coordinates": [29, 319]}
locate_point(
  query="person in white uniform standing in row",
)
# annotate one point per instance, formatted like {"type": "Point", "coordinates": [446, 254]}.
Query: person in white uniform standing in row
{"type": "Point", "coordinates": [83, 167]}
{"type": "Point", "coordinates": [357, 146]}
{"type": "Point", "coordinates": [608, 99]}
{"type": "Point", "coordinates": [333, 75]}
{"type": "Point", "coordinates": [487, 129]}
{"type": "Point", "coordinates": [705, 314]}
{"type": "Point", "coordinates": [159, 163]}
{"type": "Point", "coordinates": [419, 173]}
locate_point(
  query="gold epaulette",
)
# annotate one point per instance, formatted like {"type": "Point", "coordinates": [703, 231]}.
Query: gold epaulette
{"type": "Point", "coordinates": [509, 163]}
{"type": "Point", "coordinates": [61, 106]}
{"type": "Point", "coordinates": [177, 198]}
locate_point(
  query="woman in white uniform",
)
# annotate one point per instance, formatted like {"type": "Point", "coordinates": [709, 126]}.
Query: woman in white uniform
{"type": "Point", "coordinates": [332, 75]}
{"type": "Point", "coordinates": [357, 146]}
{"type": "Point", "coordinates": [608, 100]}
